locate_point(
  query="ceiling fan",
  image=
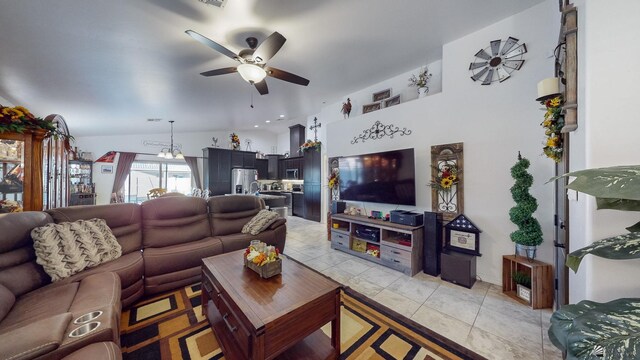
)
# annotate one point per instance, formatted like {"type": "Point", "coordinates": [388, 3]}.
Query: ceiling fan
{"type": "Point", "coordinates": [252, 61]}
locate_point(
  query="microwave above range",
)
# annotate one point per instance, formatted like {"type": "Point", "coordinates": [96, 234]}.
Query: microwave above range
{"type": "Point", "coordinates": [291, 174]}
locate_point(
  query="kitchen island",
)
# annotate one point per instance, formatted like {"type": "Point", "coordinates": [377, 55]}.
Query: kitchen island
{"type": "Point", "coordinates": [272, 201]}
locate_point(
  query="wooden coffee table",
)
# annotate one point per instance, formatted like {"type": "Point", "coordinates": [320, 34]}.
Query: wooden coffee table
{"type": "Point", "coordinates": [255, 318]}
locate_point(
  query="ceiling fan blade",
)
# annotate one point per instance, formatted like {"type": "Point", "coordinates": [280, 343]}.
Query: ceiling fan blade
{"type": "Point", "coordinates": [286, 76]}
{"type": "Point", "coordinates": [222, 71]}
{"type": "Point", "coordinates": [212, 44]}
{"type": "Point", "coordinates": [269, 47]}
{"type": "Point", "coordinates": [262, 87]}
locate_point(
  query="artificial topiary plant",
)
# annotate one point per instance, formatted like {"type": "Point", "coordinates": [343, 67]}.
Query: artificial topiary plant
{"type": "Point", "coordinates": [529, 232]}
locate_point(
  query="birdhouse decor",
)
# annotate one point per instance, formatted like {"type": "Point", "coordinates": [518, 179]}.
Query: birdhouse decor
{"type": "Point", "coordinates": [463, 236]}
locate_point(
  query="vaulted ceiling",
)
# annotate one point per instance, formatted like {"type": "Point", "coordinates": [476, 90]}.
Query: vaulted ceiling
{"type": "Point", "coordinates": [108, 66]}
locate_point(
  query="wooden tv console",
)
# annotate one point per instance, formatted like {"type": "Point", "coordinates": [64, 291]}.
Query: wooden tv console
{"type": "Point", "coordinates": [399, 246]}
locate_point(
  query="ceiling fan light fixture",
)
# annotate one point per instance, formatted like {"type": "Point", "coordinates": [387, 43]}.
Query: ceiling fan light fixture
{"type": "Point", "coordinates": [252, 73]}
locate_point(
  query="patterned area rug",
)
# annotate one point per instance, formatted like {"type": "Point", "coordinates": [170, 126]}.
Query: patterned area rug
{"type": "Point", "coordinates": [171, 326]}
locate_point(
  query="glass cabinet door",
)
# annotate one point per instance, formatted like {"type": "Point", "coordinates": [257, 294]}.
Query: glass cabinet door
{"type": "Point", "coordinates": [11, 175]}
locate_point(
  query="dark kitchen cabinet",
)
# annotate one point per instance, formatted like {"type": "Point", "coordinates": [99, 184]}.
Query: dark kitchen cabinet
{"type": "Point", "coordinates": [295, 163]}
{"type": "Point", "coordinates": [297, 135]}
{"type": "Point", "coordinates": [298, 204]}
{"type": "Point", "coordinates": [262, 165]}
{"type": "Point", "coordinates": [218, 164]}
{"type": "Point", "coordinates": [312, 202]}
{"type": "Point", "coordinates": [243, 159]}
{"type": "Point", "coordinates": [312, 185]}
{"type": "Point", "coordinates": [274, 167]}
{"type": "Point", "coordinates": [217, 170]}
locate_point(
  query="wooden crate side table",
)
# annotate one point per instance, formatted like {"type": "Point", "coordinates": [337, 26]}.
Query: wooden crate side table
{"type": "Point", "coordinates": [541, 280]}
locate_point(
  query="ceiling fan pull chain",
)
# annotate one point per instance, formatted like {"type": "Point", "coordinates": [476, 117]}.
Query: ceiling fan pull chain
{"type": "Point", "coordinates": [252, 99]}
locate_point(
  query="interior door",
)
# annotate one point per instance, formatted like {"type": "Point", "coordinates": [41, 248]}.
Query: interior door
{"type": "Point", "coordinates": [561, 232]}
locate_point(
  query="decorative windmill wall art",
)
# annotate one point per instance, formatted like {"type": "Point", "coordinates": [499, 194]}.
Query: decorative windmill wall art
{"type": "Point", "coordinates": [496, 62]}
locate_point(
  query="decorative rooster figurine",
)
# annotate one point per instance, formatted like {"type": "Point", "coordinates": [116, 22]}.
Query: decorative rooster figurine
{"type": "Point", "coordinates": [346, 108]}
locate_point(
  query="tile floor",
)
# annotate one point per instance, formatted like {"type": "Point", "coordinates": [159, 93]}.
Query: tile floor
{"type": "Point", "coordinates": [481, 319]}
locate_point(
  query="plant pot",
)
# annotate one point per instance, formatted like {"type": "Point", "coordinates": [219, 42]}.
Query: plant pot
{"type": "Point", "coordinates": [423, 91]}
{"type": "Point", "coordinates": [526, 250]}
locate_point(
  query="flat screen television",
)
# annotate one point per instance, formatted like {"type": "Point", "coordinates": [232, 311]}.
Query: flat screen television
{"type": "Point", "coordinates": [385, 177]}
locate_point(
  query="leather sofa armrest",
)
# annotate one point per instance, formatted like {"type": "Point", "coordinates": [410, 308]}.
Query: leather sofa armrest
{"type": "Point", "coordinates": [34, 339]}
{"type": "Point", "coordinates": [277, 223]}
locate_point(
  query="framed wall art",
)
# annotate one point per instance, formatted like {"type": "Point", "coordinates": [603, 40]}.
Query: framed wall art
{"type": "Point", "coordinates": [392, 101]}
{"type": "Point", "coordinates": [371, 107]}
{"type": "Point", "coordinates": [447, 180]}
{"type": "Point", "coordinates": [381, 95]}
{"type": "Point", "coordinates": [106, 169]}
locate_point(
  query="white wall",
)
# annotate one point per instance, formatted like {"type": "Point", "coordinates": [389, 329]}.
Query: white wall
{"type": "Point", "coordinates": [191, 144]}
{"type": "Point", "coordinates": [607, 135]}
{"type": "Point", "coordinates": [5, 102]}
{"type": "Point", "coordinates": [494, 123]}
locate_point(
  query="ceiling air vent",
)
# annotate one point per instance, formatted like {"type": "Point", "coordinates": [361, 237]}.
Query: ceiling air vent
{"type": "Point", "coordinates": [218, 3]}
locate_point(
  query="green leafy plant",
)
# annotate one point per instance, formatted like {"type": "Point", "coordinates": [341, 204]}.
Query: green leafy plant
{"type": "Point", "coordinates": [529, 232]}
{"type": "Point", "coordinates": [616, 188]}
{"type": "Point", "coordinates": [522, 278]}
{"type": "Point", "coordinates": [609, 331]}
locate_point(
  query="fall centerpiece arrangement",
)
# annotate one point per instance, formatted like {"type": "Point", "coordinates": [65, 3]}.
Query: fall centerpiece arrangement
{"type": "Point", "coordinates": [310, 145]}
{"type": "Point", "coordinates": [235, 141]}
{"type": "Point", "coordinates": [447, 176]}
{"type": "Point", "coordinates": [552, 124]}
{"type": "Point", "coordinates": [263, 259]}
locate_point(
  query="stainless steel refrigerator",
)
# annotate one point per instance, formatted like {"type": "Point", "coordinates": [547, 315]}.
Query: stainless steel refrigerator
{"type": "Point", "coordinates": [244, 181]}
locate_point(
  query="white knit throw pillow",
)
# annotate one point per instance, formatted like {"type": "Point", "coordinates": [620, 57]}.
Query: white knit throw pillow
{"type": "Point", "coordinates": [262, 220]}
{"type": "Point", "coordinates": [67, 248]}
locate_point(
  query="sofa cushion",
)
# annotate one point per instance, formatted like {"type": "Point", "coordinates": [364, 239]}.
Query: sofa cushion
{"type": "Point", "coordinates": [35, 338]}
{"type": "Point", "coordinates": [169, 259]}
{"type": "Point", "coordinates": [123, 219]}
{"type": "Point", "coordinates": [96, 292]}
{"type": "Point", "coordinates": [67, 248]}
{"type": "Point", "coordinates": [262, 220]}
{"type": "Point", "coordinates": [99, 351]}
{"type": "Point", "coordinates": [174, 220]}
{"type": "Point", "coordinates": [18, 269]}
{"type": "Point", "coordinates": [235, 242]}
{"type": "Point", "coordinates": [7, 299]}
{"type": "Point", "coordinates": [129, 267]}
{"type": "Point", "coordinates": [40, 304]}
{"type": "Point", "coordinates": [229, 214]}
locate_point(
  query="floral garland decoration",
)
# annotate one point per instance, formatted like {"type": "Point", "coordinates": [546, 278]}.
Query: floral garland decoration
{"type": "Point", "coordinates": [553, 123]}
{"type": "Point", "coordinates": [334, 179]}
{"type": "Point", "coordinates": [446, 178]}
{"type": "Point", "coordinates": [308, 145]}
{"type": "Point", "coordinates": [235, 140]}
{"type": "Point", "coordinates": [19, 119]}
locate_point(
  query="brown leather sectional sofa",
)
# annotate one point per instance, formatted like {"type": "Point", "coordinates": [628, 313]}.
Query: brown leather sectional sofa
{"type": "Point", "coordinates": [163, 241]}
